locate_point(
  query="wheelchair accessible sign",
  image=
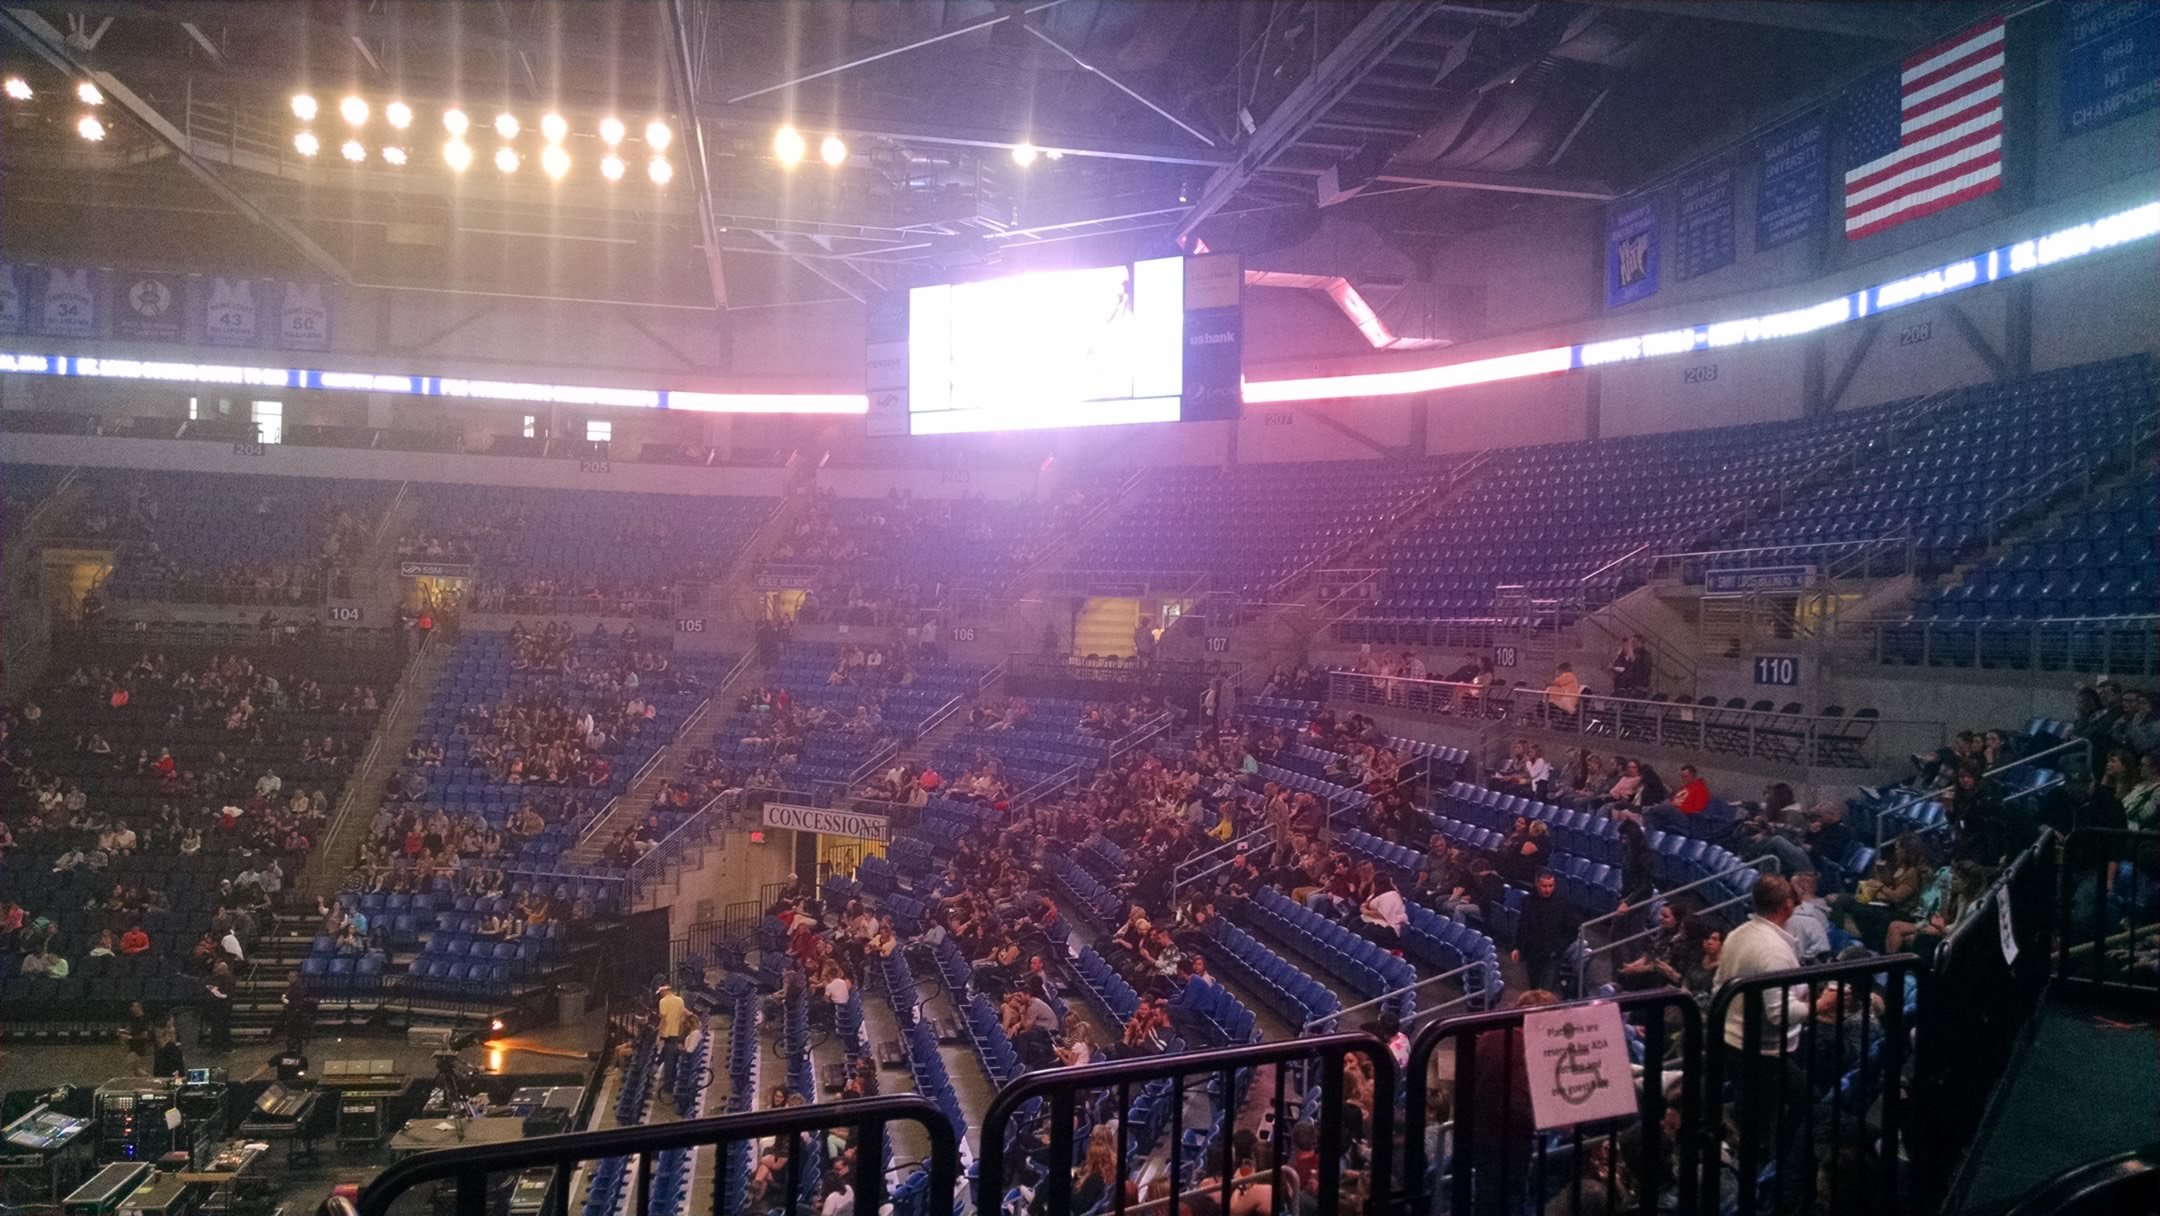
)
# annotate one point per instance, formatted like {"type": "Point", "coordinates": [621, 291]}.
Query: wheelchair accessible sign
{"type": "Point", "coordinates": [1577, 1061]}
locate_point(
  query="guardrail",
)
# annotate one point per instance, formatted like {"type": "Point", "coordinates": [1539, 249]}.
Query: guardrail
{"type": "Point", "coordinates": [360, 769]}
{"type": "Point", "coordinates": [468, 1170]}
{"type": "Point", "coordinates": [2094, 645]}
{"type": "Point", "coordinates": [652, 867]}
{"type": "Point", "coordinates": [1808, 740]}
{"type": "Point", "coordinates": [1884, 817]}
{"type": "Point", "coordinates": [1584, 952]}
{"type": "Point", "coordinates": [1470, 996]}
{"type": "Point", "coordinates": [1690, 566]}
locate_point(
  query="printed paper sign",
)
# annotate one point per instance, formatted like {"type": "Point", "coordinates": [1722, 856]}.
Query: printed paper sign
{"type": "Point", "coordinates": [2009, 932]}
{"type": "Point", "coordinates": [1577, 1060]}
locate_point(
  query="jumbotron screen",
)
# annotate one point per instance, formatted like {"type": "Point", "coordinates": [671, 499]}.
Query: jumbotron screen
{"type": "Point", "coordinates": [1058, 348]}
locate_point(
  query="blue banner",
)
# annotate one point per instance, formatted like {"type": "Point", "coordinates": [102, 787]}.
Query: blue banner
{"type": "Point", "coordinates": [2111, 62]}
{"type": "Point", "coordinates": [1703, 224]}
{"type": "Point", "coordinates": [149, 306]}
{"type": "Point", "coordinates": [1790, 189]}
{"type": "Point", "coordinates": [66, 302]}
{"type": "Point", "coordinates": [1631, 253]}
{"type": "Point", "coordinates": [1758, 578]}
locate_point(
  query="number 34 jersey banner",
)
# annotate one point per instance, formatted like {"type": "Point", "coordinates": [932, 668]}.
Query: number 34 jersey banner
{"type": "Point", "coordinates": [162, 306]}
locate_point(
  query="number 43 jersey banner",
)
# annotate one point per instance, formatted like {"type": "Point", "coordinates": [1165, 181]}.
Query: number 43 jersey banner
{"type": "Point", "coordinates": [163, 306]}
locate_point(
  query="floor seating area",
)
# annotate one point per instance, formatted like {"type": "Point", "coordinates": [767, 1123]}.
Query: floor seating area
{"type": "Point", "coordinates": [1247, 527]}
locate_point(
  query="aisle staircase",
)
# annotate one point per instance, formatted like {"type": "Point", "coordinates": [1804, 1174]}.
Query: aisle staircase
{"type": "Point", "coordinates": [666, 765]}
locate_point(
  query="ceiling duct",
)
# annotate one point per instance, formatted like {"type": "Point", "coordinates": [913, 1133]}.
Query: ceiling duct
{"type": "Point", "coordinates": [1375, 285]}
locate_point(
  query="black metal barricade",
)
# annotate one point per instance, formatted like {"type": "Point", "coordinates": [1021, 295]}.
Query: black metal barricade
{"type": "Point", "coordinates": [469, 1171]}
{"type": "Point", "coordinates": [1802, 1088]}
{"type": "Point", "coordinates": [1979, 1001]}
{"type": "Point", "coordinates": [1490, 1156]}
{"type": "Point", "coordinates": [1029, 1132]}
{"type": "Point", "coordinates": [2109, 905]}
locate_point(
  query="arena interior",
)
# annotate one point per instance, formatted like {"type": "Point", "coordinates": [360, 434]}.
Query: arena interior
{"type": "Point", "coordinates": [1083, 607]}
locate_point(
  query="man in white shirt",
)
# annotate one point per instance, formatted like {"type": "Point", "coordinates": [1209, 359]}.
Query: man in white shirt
{"type": "Point", "coordinates": [1772, 1100]}
{"type": "Point", "coordinates": [1538, 769]}
{"type": "Point", "coordinates": [1810, 923]}
{"type": "Point", "coordinates": [230, 944]}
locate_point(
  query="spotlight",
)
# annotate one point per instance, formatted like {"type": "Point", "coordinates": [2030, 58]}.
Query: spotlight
{"type": "Point", "coordinates": [1055, 154]}
{"type": "Point", "coordinates": [398, 115]}
{"type": "Point", "coordinates": [354, 110]}
{"type": "Point", "coordinates": [458, 155]}
{"type": "Point", "coordinates": [304, 107]}
{"type": "Point", "coordinates": [89, 94]}
{"type": "Point", "coordinates": [554, 161]}
{"type": "Point", "coordinates": [18, 88]}
{"type": "Point", "coordinates": [306, 144]}
{"type": "Point", "coordinates": [611, 130]}
{"type": "Point", "coordinates": [506, 125]}
{"type": "Point", "coordinates": [611, 167]}
{"type": "Point", "coordinates": [1024, 154]}
{"type": "Point", "coordinates": [496, 1025]}
{"type": "Point", "coordinates": [787, 144]}
{"type": "Point", "coordinates": [660, 171]}
{"type": "Point", "coordinates": [553, 128]}
{"type": "Point", "coordinates": [353, 150]}
{"type": "Point", "coordinates": [658, 135]}
{"type": "Point", "coordinates": [90, 128]}
{"type": "Point", "coordinates": [833, 151]}
{"type": "Point", "coordinates": [455, 122]}
{"type": "Point", "coordinates": [394, 155]}
{"type": "Point", "coordinates": [506, 159]}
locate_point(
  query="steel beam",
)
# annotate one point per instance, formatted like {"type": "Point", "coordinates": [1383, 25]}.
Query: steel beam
{"type": "Point", "coordinates": [209, 48]}
{"type": "Point", "coordinates": [693, 130]}
{"type": "Point", "coordinates": [810, 265]}
{"type": "Point", "coordinates": [930, 129]}
{"type": "Point", "coordinates": [1880, 20]}
{"type": "Point", "coordinates": [47, 43]}
{"type": "Point", "coordinates": [1119, 85]}
{"type": "Point", "coordinates": [889, 52]}
{"type": "Point", "coordinates": [1502, 183]}
{"type": "Point", "coordinates": [1380, 31]}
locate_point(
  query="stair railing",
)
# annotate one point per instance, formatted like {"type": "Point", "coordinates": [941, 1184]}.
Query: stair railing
{"type": "Point", "coordinates": [361, 778]}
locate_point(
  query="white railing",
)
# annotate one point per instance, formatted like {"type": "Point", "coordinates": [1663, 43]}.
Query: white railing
{"type": "Point", "coordinates": [1584, 952]}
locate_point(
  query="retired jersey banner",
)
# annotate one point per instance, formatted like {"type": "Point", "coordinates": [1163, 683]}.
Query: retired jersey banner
{"type": "Point", "coordinates": [14, 315]}
{"type": "Point", "coordinates": [1703, 223]}
{"type": "Point", "coordinates": [148, 305]}
{"type": "Point", "coordinates": [1631, 253]}
{"type": "Point", "coordinates": [303, 317]}
{"type": "Point", "coordinates": [2111, 62]}
{"type": "Point", "coordinates": [231, 311]}
{"type": "Point", "coordinates": [1791, 187]}
{"type": "Point", "coordinates": [67, 303]}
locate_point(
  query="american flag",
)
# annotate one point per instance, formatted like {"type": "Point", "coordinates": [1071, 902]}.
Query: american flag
{"type": "Point", "coordinates": [1928, 137]}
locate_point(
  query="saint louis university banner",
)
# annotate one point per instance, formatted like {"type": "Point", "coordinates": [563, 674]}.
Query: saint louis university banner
{"type": "Point", "coordinates": [1631, 252]}
{"type": "Point", "coordinates": [163, 306]}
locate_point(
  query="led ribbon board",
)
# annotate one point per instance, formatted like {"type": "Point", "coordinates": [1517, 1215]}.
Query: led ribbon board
{"type": "Point", "coordinates": [175, 372]}
{"type": "Point", "coordinates": [1990, 266]}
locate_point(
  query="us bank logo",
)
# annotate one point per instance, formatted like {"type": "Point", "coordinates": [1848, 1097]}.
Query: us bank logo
{"type": "Point", "coordinates": [1576, 1077]}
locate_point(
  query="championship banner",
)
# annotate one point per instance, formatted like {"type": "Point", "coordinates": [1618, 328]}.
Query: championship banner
{"type": "Point", "coordinates": [14, 314]}
{"type": "Point", "coordinates": [148, 305]}
{"type": "Point", "coordinates": [1631, 253]}
{"type": "Point", "coordinates": [67, 305]}
{"type": "Point", "coordinates": [1703, 224]}
{"type": "Point", "coordinates": [1791, 186]}
{"type": "Point", "coordinates": [827, 822]}
{"type": "Point", "coordinates": [231, 311]}
{"type": "Point", "coordinates": [2111, 62]}
{"type": "Point", "coordinates": [303, 317]}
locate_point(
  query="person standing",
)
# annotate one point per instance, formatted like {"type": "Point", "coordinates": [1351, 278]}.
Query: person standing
{"type": "Point", "coordinates": [1771, 1100]}
{"type": "Point", "coordinates": [1631, 669]}
{"type": "Point", "coordinates": [674, 1017]}
{"type": "Point", "coordinates": [1543, 933]}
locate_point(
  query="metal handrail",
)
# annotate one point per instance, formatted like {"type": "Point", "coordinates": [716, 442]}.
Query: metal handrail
{"type": "Point", "coordinates": [382, 725]}
{"type": "Point", "coordinates": [1385, 997]}
{"type": "Point", "coordinates": [1858, 544]}
{"type": "Point", "coordinates": [1700, 711]}
{"type": "Point", "coordinates": [1628, 556]}
{"type": "Point", "coordinates": [1583, 949]}
{"type": "Point", "coordinates": [1583, 957]}
{"type": "Point", "coordinates": [608, 808]}
{"type": "Point", "coordinates": [642, 868]}
{"type": "Point", "coordinates": [1935, 795]}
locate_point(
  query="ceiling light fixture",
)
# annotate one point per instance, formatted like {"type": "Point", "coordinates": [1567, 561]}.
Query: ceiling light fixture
{"type": "Point", "coordinates": [833, 151]}
{"type": "Point", "coordinates": [89, 94]}
{"type": "Point", "coordinates": [1024, 154]}
{"type": "Point", "coordinates": [788, 145]}
{"type": "Point", "coordinates": [455, 122]}
{"type": "Point", "coordinates": [353, 150]}
{"type": "Point", "coordinates": [306, 144]}
{"type": "Point", "coordinates": [553, 128]}
{"type": "Point", "coordinates": [611, 130]}
{"type": "Point", "coordinates": [506, 125]}
{"type": "Point", "coordinates": [354, 110]}
{"type": "Point", "coordinates": [554, 161]}
{"type": "Point", "coordinates": [18, 88]}
{"type": "Point", "coordinates": [611, 167]}
{"type": "Point", "coordinates": [658, 135]}
{"type": "Point", "coordinates": [398, 115]}
{"type": "Point", "coordinates": [304, 107]}
{"type": "Point", "coordinates": [660, 172]}
{"type": "Point", "coordinates": [458, 155]}
{"type": "Point", "coordinates": [506, 159]}
{"type": "Point", "coordinates": [394, 155]}
{"type": "Point", "coordinates": [90, 128]}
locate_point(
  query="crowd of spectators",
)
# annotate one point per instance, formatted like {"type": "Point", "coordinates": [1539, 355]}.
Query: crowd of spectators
{"type": "Point", "coordinates": [135, 522]}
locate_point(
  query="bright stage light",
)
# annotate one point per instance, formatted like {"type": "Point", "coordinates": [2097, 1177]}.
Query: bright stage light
{"type": "Point", "coordinates": [455, 122]}
{"type": "Point", "coordinates": [353, 150]}
{"type": "Point", "coordinates": [611, 130]}
{"type": "Point", "coordinates": [658, 135]}
{"type": "Point", "coordinates": [787, 144]}
{"type": "Point", "coordinates": [660, 172]}
{"type": "Point", "coordinates": [611, 167]}
{"type": "Point", "coordinates": [304, 107]}
{"type": "Point", "coordinates": [89, 94]}
{"type": "Point", "coordinates": [90, 128]}
{"type": "Point", "coordinates": [398, 115]}
{"type": "Point", "coordinates": [553, 128]}
{"type": "Point", "coordinates": [306, 144]}
{"type": "Point", "coordinates": [18, 88]}
{"type": "Point", "coordinates": [554, 161]}
{"type": "Point", "coordinates": [458, 155]}
{"type": "Point", "coordinates": [354, 110]}
{"type": "Point", "coordinates": [833, 151]}
{"type": "Point", "coordinates": [506, 125]}
{"type": "Point", "coordinates": [395, 156]}
{"type": "Point", "coordinates": [506, 159]}
{"type": "Point", "coordinates": [1024, 154]}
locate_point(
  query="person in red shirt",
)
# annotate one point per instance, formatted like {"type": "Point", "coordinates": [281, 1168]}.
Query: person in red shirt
{"type": "Point", "coordinates": [1693, 795]}
{"type": "Point", "coordinates": [1678, 813]}
{"type": "Point", "coordinates": [134, 941]}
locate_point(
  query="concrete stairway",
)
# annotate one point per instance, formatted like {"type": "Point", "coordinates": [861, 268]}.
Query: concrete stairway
{"type": "Point", "coordinates": [668, 763]}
